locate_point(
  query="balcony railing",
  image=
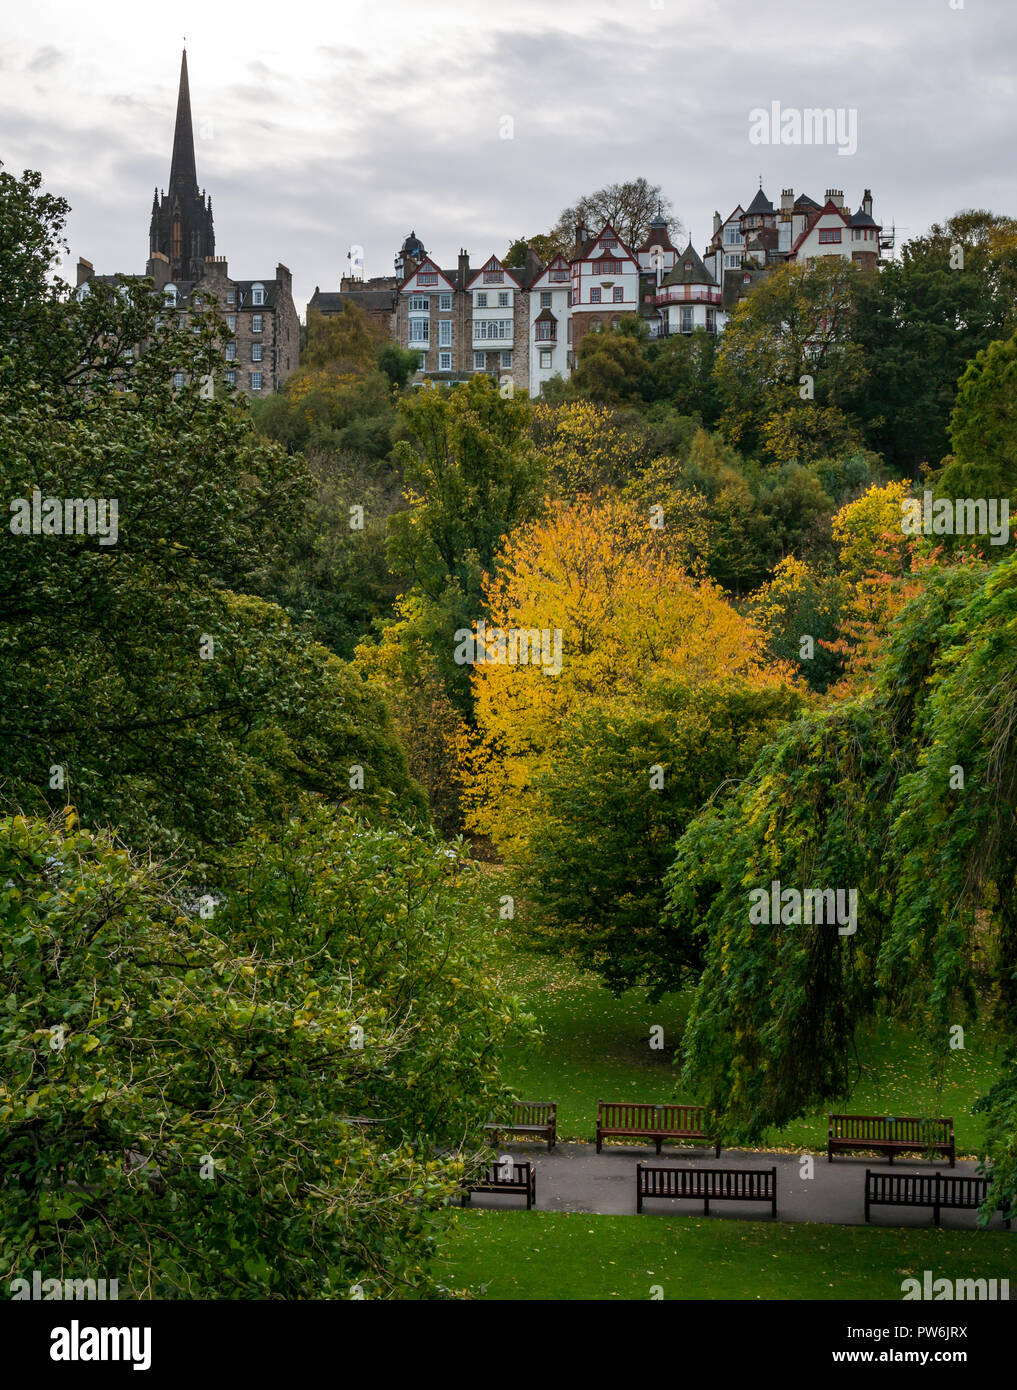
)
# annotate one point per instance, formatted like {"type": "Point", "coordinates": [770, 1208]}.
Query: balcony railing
{"type": "Point", "coordinates": [687, 294]}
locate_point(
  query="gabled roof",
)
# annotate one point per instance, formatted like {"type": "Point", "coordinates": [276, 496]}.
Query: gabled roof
{"type": "Point", "coordinates": [689, 270]}
{"type": "Point", "coordinates": [428, 267]}
{"type": "Point", "coordinates": [493, 263]}
{"type": "Point", "coordinates": [759, 204]}
{"type": "Point", "coordinates": [803, 203]}
{"type": "Point", "coordinates": [815, 218]}
{"type": "Point", "coordinates": [609, 254]}
{"type": "Point", "coordinates": [559, 263]}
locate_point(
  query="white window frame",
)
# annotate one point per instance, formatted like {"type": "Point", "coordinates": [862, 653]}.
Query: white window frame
{"type": "Point", "coordinates": [444, 304]}
{"type": "Point", "coordinates": [256, 322]}
{"type": "Point", "coordinates": [444, 333]}
{"type": "Point", "coordinates": [444, 361]}
{"type": "Point", "coordinates": [256, 381]}
{"type": "Point", "coordinates": [420, 303]}
{"type": "Point", "coordinates": [256, 352]}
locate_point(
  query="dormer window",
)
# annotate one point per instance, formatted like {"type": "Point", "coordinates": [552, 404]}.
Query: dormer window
{"type": "Point", "coordinates": [257, 294]}
{"type": "Point", "coordinates": [688, 265]}
{"type": "Point", "coordinates": [170, 293]}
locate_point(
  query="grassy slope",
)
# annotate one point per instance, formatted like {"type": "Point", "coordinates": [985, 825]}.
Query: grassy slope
{"type": "Point", "coordinates": [556, 1256]}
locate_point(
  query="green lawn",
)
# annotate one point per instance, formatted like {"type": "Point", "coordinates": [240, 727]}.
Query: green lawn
{"type": "Point", "coordinates": [596, 1046]}
{"type": "Point", "coordinates": [556, 1256]}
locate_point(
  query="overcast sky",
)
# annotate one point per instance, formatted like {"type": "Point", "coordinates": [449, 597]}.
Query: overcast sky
{"type": "Point", "coordinates": [322, 125]}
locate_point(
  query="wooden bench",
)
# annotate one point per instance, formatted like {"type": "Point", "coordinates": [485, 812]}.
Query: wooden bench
{"type": "Point", "coordinates": [514, 1178]}
{"type": "Point", "coordinates": [632, 1120]}
{"type": "Point", "coordinates": [933, 1190]}
{"type": "Point", "coordinates": [533, 1119]}
{"type": "Point", "coordinates": [710, 1184]}
{"type": "Point", "coordinates": [890, 1135]}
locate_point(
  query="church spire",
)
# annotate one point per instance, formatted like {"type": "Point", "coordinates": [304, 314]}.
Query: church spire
{"type": "Point", "coordinates": [183, 173]}
{"type": "Point", "coordinates": [181, 231]}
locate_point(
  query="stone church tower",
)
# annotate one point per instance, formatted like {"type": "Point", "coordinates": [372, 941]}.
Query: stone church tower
{"type": "Point", "coordinates": [181, 228]}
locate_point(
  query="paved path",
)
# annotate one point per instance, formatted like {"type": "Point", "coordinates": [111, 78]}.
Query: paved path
{"type": "Point", "coordinates": [574, 1177]}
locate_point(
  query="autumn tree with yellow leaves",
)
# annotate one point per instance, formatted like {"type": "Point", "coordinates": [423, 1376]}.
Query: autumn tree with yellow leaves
{"type": "Point", "coordinates": [596, 573]}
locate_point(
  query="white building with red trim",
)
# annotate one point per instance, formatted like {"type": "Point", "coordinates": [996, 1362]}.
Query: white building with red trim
{"type": "Point", "coordinates": [605, 284]}
{"type": "Point", "coordinates": [550, 323]}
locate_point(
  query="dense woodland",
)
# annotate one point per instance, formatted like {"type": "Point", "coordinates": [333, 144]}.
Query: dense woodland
{"type": "Point", "coordinates": [246, 883]}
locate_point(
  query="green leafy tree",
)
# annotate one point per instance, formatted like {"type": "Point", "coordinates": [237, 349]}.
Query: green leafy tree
{"type": "Point", "coordinates": [792, 335]}
{"type": "Point", "coordinates": [472, 474]}
{"type": "Point", "coordinates": [625, 784]}
{"type": "Point", "coordinates": [183, 1092]}
{"type": "Point", "coordinates": [983, 432]}
{"type": "Point", "coordinates": [135, 681]}
{"type": "Point", "coordinates": [921, 321]}
{"type": "Point", "coordinates": [610, 368]}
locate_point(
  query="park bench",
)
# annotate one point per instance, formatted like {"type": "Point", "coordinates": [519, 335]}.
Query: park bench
{"type": "Point", "coordinates": [632, 1120]}
{"type": "Point", "coordinates": [933, 1190]}
{"type": "Point", "coordinates": [890, 1135]}
{"type": "Point", "coordinates": [709, 1184]}
{"type": "Point", "coordinates": [533, 1119]}
{"type": "Point", "coordinates": [517, 1178]}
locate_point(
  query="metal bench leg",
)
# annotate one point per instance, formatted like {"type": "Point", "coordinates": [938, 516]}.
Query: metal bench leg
{"type": "Point", "coordinates": [706, 1206]}
{"type": "Point", "coordinates": [659, 1142]}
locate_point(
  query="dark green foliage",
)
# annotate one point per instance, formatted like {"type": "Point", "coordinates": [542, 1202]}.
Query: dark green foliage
{"type": "Point", "coordinates": [626, 785]}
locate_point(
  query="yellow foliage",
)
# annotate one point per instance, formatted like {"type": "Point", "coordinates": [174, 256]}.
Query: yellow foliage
{"type": "Point", "coordinates": [584, 445]}
{"type": "Point", "coordinates": [869, 533]}
{"type": "Point", "coordinates": [627, 614]}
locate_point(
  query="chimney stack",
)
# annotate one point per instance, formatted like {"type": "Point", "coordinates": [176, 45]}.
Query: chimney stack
{"type": "Point", "coordinates": [867, 201]}
{"type": "Point", "coordinates": [835, 196]}
{"type": "Point", "coordinates": [85, 270]}
{"type": "Point", "coordinates": [158, 269]}
{"type": "Point", "coordinates": [716, 223]}
{"type": "Point", "coordinates": [464, 267]}
{"type": "Point", "coordinates": [787, 199]}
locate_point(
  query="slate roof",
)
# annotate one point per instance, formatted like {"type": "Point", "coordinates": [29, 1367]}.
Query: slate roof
{"type": "Point", "coordinates": [759, 204]}
{"type": "Point", "coordinates": [697, 274]}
